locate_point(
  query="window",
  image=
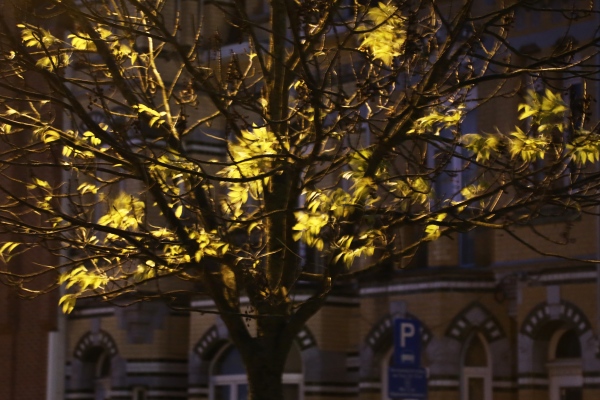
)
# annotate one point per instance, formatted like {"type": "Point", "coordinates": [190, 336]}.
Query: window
{"type": "Point", "coordinates": [139, 393]}
{"type": "Point", "coordinates": [97, 372]}
{"type": "Point", "coordinates": [229, 382]}
{"type": "Point", "coordinates": [476, 379]}
{"type": "Point", "coordinates": [564, 366]}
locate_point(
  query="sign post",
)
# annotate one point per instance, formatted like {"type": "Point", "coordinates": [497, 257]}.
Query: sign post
{"type": "Point", "coordinates": [406, 379]}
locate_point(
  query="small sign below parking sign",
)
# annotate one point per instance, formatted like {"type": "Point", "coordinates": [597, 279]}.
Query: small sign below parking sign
{"type": "Point", "coordinates": [407, 383]}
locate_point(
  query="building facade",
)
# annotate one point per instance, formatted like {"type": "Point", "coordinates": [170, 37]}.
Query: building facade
{"type": "Point", "coordinates": [498, 320]}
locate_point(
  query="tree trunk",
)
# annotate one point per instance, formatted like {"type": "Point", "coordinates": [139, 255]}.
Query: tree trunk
{"type": "Point", "coordinates": [265, 382]}
{"type": "Point", "coordinates": [264, 367]}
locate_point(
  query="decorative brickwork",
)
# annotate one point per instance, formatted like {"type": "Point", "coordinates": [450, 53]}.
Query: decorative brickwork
{"type": "Point", "coordinates": [540, 316]}
{"type": "Point", "coordinates": [475, 316]}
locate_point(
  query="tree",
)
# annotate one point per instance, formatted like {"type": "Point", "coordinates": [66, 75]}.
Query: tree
{"type": "Point", "coordinates": [336, 129]}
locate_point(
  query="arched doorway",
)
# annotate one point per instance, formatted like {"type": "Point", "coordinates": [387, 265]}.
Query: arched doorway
{"type": "Point", "coordinates": [476, 371]}
{"type": "Point", "coordinates": [564, 365]}
{"type": "Point", "coordinates": [228, 380]}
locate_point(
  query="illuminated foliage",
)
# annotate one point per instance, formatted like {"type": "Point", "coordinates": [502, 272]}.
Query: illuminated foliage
{"type": "Point", "coordinates": [337, 139]}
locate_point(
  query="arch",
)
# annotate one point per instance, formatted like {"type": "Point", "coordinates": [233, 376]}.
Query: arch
{"type": "Point", "coordinates": [211, 342]}
{"type": "Point", "coordinates": [475, 317]}
{"type": "Point", "coordinates": [215, 340]}
{"type": "Point", "coordinates": [378, 343]}
{"type": "Point", "coordinates": [95, 339]}
{"type": "Point", "coordinates": [536, 323]}
{"type": "Point", "coordinates": [540, 333]}
{"type": "Point", "coordinates": [96, 363]}
{"type": "Point", "coordinates": [379, 337]}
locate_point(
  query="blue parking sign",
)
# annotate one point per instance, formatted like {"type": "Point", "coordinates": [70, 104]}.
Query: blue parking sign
{"type": "Point", "coordinates": [407, 343]}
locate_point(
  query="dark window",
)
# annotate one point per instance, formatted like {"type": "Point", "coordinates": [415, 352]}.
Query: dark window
{"type": "Point", "coordinates": [475, 356]}
{"type": "Point", "coordinates": [568, 345]}
{"type": "Point", "coordinates": [571, 393]}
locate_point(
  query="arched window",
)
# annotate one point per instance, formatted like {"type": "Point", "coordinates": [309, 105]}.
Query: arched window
{"type": "Point", "coordinates": [97, 372]}
{"type": "Point", "coordinates": [228, 379]}
{"type": "Point", "coordinates": [476, 372]}
{"type": "Point", "coordinates": [564, 365]}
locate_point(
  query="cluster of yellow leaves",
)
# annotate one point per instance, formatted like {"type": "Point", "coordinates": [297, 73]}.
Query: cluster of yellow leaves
{"type": "Point", "coordinates": [85, 280]}
{"type": "Point", "coordinates": [547, 110]}
{"type": "Point", "coordinates": [83, 42]}
{"type": "Point", "coordinates": [43, 202]}
{"type": "Point", "coordinates": [386, 35]}
{"type": "Point", "coordinates": [411, 191]}
{"type": "Point", "coordinates": [482, 145]}
{"type": "Point", "coordinates": [529, 148]}
{"type": "Point", "coordinates": [125, 212]}
{"type": "Point", "coordinates": [436, 121]}
{"type": "Point", "coordinates": [155, 116]}
{"type": "Point", "coordinates": [42, 39]}
{"type": "Point", "coordinates": [432, 231]}
{"type": "Point", "coordinates": [33, 36]}
{"type": "Point", "coordinates": [308, 228]}
{"type": "Point", "coordinates": [369, 241]}
{"type": "Point", "coordinates": [323, 207]}
{"type": "Point", "coordinates": [473, 190]}
{"type": "Point", "coordinates": [585, 147]}
{"type": "Point", "coordinates": [209, 244]}
{"type": "Point", "coordinates": [252, 156]}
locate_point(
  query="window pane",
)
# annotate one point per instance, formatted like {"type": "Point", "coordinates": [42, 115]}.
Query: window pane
{"type": "Point", "coordinates": [571, 393]}
{"type": "Point", "coordinates": [475, 355]}
{"type": "Point", "coordinates": [230, 363]}
{"type": "Point", "coordinates": [475, 388]}
{"type": "Point", "coordinates": [222, 392]}
{"type": "Point", "coordinates": [242, 392]}
{"type": "Point", "coordinates": [290, 392]}
{"type": "Point", "coordinates": [568, 345]}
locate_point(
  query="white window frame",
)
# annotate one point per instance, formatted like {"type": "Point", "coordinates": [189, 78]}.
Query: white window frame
{"type": "Point", "coordinates": [562, 372]}
{"type": "Point", "coordinates": [476, 372]}
{"type": "Point", "coordinates": [234, 380]}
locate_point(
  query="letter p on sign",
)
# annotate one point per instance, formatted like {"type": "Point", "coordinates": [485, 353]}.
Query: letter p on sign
{"type": "Point", "coordinates": [407, 343]}
{"type": "Point", "coordinates": [407, 330]}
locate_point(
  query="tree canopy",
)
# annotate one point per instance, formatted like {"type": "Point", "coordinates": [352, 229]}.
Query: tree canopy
{"type": "Point", "coordinates": [282, 154]}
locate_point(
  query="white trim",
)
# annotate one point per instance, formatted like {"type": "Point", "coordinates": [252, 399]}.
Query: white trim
{"type": "Point", "coordinates": [198, 391]}
{"type": "Point", "coordinates": [244, 300]}
{"type": "Point", "coordinates": [89, 312]}
{"type": "Point", "coordinates": [410, 287]}
{"type": "Point", "coordinates": [591, 380]}
{"type": "Point", "coordinates": [566, 276]}
{"type": "Point", "coordinates": [369, 385]}
{"type": "Point", "coordinates": [504, 385]}
{"type": "Point", "coordinates": [156, 366]}
{"type": "Point", "coordinates": [331, 389]}
{"type": "Point", "coordinates": [121, 393]}
{"type": "Point", "coordinates": [79, 396]}
{"type": "Point", "coordinates": [166, 393]}
{"type": "Point", "coordinates": [532, 381]}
